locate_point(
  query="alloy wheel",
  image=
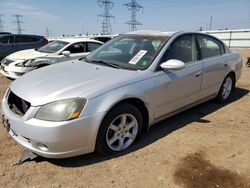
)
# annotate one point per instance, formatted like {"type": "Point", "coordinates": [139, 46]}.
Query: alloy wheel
{"type": "Point", "coordinates": [122, 132]}
{"type": "Point", "coordinates": [227, 87]}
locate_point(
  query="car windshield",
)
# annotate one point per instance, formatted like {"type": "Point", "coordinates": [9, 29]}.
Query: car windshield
{"type": "Point", "coordinates": [135, 52]}
{"type": "Point", "coordinates": [53, 47]}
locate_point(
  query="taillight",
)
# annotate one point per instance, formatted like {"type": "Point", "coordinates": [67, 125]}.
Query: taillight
{"type": "Point", "coordinates": [45, 41]}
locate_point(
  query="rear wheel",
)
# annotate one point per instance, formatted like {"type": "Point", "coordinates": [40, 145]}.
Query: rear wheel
{"type": "Point", "coordinates": [226, 89]}
{"type": "Point", "coordinates": [119, 129]}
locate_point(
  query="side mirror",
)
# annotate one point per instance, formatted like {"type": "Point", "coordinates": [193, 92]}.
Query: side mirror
{"type": "Point", "coordinates": [66, 53]}
{"type": "Point", "coordinates": [173, 64]}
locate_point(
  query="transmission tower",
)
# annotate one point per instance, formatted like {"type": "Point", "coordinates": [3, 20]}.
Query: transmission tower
{"type": "Point", "coordinates": [133, 7]}
{"type": "Point", "coordinates": [106, 16]}
{"type": "Point", "coordinates": [47, 32]}
{"type": "Point", "coordinates": [19, 23]}
{"type": "Point", "coordinates": [1, 23]}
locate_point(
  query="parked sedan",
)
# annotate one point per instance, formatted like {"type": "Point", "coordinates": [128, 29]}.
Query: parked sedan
{"type": "Point", "coordinates": [10, 43]}
{"type": "Point", "coordinates": [19, 63]}
{"type": "Point", "coordinates": [4, 33]}
{"type": "Point", "coordinates": [104, 102]}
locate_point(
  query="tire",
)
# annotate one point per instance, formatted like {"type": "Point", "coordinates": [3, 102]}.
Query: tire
{"type": "Point", "coordinates": [226, 89]}
{"type": "Point", "coordinates": [119, 129]}
{"type": "Point", "coordinates": [41, 66]}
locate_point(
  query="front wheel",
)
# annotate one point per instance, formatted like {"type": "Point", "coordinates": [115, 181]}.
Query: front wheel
{"type": "Point", "coordinates": [226, 89]}
{"type": "Point", "coordinates": [119, 129]}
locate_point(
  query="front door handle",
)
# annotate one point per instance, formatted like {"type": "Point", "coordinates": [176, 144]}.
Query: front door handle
{"type": "Point", "coordinates": [197, 74]}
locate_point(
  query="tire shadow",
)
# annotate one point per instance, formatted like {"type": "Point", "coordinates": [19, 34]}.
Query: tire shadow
{"type": "Point", "coordinates": [155, 133]}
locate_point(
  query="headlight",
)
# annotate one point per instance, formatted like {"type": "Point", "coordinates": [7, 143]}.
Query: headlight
{"type": "Point", "coordinates": [25, 63]}
{"type": "Point", "coordinates": [63, 110]}
{"type": "Point", "coordinates": [4, 61]}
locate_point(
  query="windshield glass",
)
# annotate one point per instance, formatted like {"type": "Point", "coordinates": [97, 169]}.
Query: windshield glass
{"type": "Point", "coordinates": [135, 52]}
{"type": "Point", "coordinates": [53, 47]}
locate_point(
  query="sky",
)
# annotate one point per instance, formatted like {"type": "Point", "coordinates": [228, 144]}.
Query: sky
{"type": "Point", "coordinates": [80, 16]}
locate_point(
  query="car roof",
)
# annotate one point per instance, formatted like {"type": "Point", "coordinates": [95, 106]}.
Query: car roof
{"type": "Point", "coordinates": [10, 34]}
{"type": "Point", "coordinates": [5, 33]}
{"type": "Point", "coordinates": [74, 40]}
{"type": "Point", "coordinates": [161, 33]}
{"type": "Point", "coordinates": [151, 32]}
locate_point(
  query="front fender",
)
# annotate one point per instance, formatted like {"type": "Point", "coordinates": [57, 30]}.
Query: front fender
{"type": "Point", "coordinates": [142, 90]}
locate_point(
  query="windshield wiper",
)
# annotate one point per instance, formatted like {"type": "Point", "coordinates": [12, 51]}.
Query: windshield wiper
{"type": "Point", "coordinates": [103, 62]}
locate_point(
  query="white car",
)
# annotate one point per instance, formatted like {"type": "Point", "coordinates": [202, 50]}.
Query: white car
{"type": "Point", "coordinates": [19, 63]}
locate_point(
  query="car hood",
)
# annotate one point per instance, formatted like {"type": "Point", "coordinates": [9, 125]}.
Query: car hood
{"type": "Point", "coordinates": [25, 55]}
{"type": "Point", "coordinates": [68, 80]}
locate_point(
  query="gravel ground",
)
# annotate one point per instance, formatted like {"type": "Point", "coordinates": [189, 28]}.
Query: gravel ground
{"type": "Point", "coordinates": [206, 146]}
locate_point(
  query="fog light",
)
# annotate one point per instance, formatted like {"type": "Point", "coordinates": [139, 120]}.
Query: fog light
{"type": "Point", "coordinates": [42, 147]}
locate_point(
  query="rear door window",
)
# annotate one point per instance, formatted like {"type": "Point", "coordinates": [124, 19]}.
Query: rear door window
{"type": "Point", "coordinates": [210, 47]}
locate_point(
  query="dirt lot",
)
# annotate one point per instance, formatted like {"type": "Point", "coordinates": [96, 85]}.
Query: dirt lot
{"type": "Point", "coordinates": [206, 146]}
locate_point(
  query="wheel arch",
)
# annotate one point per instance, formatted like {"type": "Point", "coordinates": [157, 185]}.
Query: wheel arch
{"type": "Point", "coordinates": [139, 104]}
{"type": "Point", "coordinates": [233, 74]}
{"type": "Point", "coordinates": [42, 65]}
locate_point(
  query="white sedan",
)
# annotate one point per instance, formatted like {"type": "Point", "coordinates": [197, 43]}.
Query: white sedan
{"type": "Point", "coordinates": [19, 63]}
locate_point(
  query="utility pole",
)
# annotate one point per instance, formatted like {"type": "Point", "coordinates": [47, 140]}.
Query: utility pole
{"type": "Point", "coordinates": [18, 22]}
{"type": "Point", "coordinates": [133, 7]}
{"type": "Point", "coordinates": [106, 16]}
{"type": "Point", "coordinates": [211, 21]}
{"type": "Point", "coordinates": [1, 23]}
{"type": "Point", "coordinates": [82, 29]}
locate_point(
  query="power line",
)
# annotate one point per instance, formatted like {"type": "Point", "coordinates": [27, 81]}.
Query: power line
{"type": "Point", "coordinates": [133, 7]}
{"type": "Point", "coordinates": [1, 23]}
{"type": "Point", "coordinates": [18, 22]}
{"type": "Point", "coordinates": [106, 16]}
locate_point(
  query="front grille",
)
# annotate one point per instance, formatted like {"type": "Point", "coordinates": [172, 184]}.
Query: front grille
{"type": "Point", "coordinates": [17, 105]}
{"type": "Point", "coordinates": [1, 67]}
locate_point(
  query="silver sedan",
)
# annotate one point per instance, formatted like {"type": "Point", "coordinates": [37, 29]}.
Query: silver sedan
{"type": "Point", "coordinates": [103, 102]}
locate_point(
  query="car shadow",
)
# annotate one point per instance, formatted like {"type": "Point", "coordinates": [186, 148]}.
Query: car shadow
{"type": "Point", "coordinates": [158, 131]}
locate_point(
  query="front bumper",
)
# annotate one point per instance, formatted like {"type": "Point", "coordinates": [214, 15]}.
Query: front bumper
{"type": "Point", "coordinates": [53, 139]}
{"type": "Point", "coordinates": [15, 73]}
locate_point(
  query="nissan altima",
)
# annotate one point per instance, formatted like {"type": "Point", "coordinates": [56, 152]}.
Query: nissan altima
{"type": "Point", "coordinates": [103, 102]}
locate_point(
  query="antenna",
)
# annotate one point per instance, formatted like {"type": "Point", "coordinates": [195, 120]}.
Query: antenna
{"type": "Point", "coordinates": [106, 16]}
{"type": "Point", "coordinates": [1, 23]}
{"type": "Point", "coordinates": [133, 7]}
{"type": "Point", "coordinates": [18, 22]}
